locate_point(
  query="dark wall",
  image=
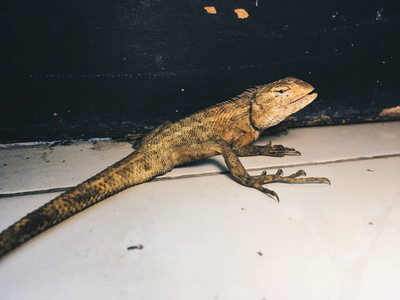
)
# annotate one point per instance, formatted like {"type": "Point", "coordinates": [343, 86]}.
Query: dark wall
{"type": "Point", "coordinates": [96, 68]}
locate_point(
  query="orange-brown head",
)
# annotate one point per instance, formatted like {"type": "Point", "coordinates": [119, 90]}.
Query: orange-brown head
{"type": "Point", "coordinates": [273, 102]}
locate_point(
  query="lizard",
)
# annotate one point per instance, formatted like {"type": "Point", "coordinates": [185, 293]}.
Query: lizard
{"type": "Point", "coordinates": [228, 129]}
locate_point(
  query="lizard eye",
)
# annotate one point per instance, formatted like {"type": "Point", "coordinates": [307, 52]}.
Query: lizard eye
{"type": "Point", "coordinates": [281, 90]}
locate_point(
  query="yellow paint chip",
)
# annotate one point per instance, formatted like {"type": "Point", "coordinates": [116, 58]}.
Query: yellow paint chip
{"type": "Point", "coordinates": [210, 9]}
{"type": "Point", "coordinates": [241, 13]}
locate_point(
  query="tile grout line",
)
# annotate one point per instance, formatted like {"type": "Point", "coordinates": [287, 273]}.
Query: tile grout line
{"type": "Point", "coordinates": [35, 192]}
{"type": "Point", "coordinates": [280, 166]}
{"type": "Point", "coordinates": [336, 161]}
{"type": "Point", "coordinates": [344, 160]}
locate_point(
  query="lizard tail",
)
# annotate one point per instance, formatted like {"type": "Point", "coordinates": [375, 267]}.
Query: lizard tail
{"type": "Point", "coordinates": [132, 170]}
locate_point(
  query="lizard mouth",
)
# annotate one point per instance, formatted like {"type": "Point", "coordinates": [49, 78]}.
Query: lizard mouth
{"type": "Point", "coordinates": [306, 98]}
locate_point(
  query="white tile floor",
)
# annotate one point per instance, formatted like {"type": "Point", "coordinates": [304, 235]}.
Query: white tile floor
{"type": "Point", "coordinates": [207, 237]}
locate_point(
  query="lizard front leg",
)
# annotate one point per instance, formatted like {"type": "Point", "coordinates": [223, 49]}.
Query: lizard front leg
{"type": "Point", "coordinates": [235, 166]}
{"type": "Point", "coordinates": [239, 172]}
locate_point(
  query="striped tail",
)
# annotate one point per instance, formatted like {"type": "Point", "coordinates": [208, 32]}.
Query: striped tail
{"type": "Point", "coordinates": [132, 170]}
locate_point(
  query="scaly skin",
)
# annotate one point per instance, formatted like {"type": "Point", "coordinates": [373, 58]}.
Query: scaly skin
{"type": "Point", "coordinates": [227, 129]}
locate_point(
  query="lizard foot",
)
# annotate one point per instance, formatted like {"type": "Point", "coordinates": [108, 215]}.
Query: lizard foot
{"type": "Point", "coordinates": [252, 181]}
{"type": "Point", "coordinates": [293, 178]}
{"type": "Point", "coordinates": [258, 181]}
{"type": "Point", "coordinates": [278, 150]}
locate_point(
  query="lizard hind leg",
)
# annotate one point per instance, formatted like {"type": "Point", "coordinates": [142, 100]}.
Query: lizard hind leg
{"type": "Point", "coordinates": [239, 172]}
{"type": "Point", "coordinates": [235, 166]}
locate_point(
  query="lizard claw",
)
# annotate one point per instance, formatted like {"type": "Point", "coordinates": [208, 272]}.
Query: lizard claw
{"type": "Point", "coordinates": [275, 195]}
{"type": "Point", "coordinates": [298, 173]}
{"type": "Point", "coordinates": [272, 193]}
{"type": "Point", "coordinates": [326, 180]}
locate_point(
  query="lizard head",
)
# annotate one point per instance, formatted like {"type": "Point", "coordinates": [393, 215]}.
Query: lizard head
{"type": "Point", "coordinates": [273, 102]}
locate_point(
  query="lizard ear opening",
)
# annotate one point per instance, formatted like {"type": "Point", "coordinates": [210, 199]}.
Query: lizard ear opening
{"type": "Point", "coordinates": [257, 114]}
{"type": "Point", "coordinates": [259, 106]}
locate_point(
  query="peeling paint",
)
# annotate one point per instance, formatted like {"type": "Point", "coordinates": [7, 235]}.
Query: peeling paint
{"type": "Point", "coordinates": [323, 119]}
{"type": "Point", "coordinates": [210, 9]}
{"type": "Point", "coordinates": [390, 113]}
{"type": "Point", "coordinates": [241, 13]}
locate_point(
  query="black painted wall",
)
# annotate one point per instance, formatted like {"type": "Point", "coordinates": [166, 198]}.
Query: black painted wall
{"type": "Point", "coordinates": [96, 68]}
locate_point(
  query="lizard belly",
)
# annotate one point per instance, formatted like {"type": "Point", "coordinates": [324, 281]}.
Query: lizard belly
{"type": "Point", "coordinates": [191, 153]}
